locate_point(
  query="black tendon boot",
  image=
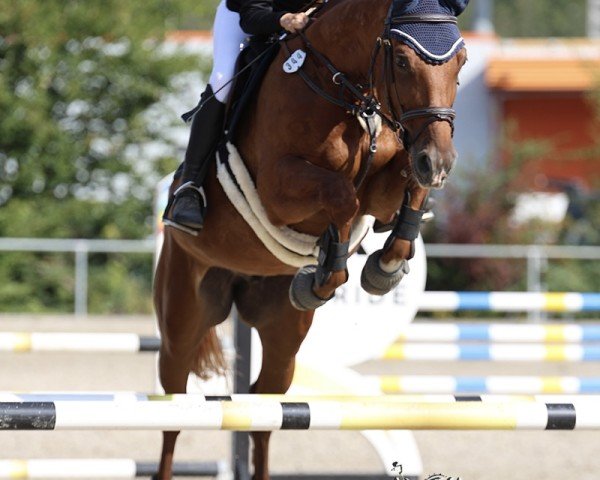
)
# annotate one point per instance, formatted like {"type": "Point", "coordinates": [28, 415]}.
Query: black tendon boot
{"type": "Point", "coordinates": [189, 206]}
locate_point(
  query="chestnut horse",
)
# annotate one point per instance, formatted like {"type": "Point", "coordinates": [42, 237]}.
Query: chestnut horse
{"type": "Point", "coordinates": [317, 170]}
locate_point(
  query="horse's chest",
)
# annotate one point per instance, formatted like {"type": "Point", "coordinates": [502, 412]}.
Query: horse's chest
{"type": "Point", "coordinates": [341, 155]}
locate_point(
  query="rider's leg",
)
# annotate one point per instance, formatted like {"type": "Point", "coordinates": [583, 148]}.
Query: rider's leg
{"type": "Point", "coordinates": [190, 201]}
{"type": "Point", "coordinates": [207, 125]}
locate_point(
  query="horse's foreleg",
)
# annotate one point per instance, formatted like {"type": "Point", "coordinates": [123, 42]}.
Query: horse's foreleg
{"type": "Point", "coordinates": [400, 244]}
{"type": "Point", "coordinates": [298, 190]}
{"type": "Point", "coordinates": [314, 285]}
{"type": "Point", "coordinates": [386, 267]}
{"type": "Point", "coordinates": [294, 190]}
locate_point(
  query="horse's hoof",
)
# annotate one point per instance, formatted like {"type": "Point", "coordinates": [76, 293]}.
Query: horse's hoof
{"type": "Point", "coordinates": [376, 281]}
{"type": "Point", "coordinates": [302, 296]}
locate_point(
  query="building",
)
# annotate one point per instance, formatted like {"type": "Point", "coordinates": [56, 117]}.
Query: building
{"type": "Point", "coordinates": [543, 88]}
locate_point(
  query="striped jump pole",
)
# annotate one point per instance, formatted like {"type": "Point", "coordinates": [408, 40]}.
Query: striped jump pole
{"type": "Point", "coordinates": [266, 413]}
{"type": "Point", "coordinates": [193, 399]}
{"type": "Point", "coordinates": [103, 468]}
{"type": "Point", "coordinates": [77, 342]}
{"type": "Point", "coordinates": [509, 301]}
{"type": "Point", "coordinates": [492, 352]}
{"type": "Point", "coordinates": [506, 385]}
{"type": "Point", "coordinates": [500, 332]}
{"type": "Point", "coordinates": [417, 332]}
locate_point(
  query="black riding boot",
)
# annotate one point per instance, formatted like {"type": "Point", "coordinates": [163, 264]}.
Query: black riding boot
{"type": "Point", "coordinates": [189, 206]}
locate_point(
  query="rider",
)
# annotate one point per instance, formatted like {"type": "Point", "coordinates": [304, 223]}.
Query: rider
{"type": "Point", "coordinates": [235, 20]}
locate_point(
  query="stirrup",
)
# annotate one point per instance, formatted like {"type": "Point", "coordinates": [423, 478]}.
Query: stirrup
{"type": "Point", "coordinates": [190, 185]}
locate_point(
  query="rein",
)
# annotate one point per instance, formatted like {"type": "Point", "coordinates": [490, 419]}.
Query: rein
{"type": "Point", "coordinates": [367, 105]}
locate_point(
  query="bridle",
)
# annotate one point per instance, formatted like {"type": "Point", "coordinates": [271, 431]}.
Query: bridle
{"type": "Point", "coordinates": [367, 105]}
{"type": "Point", "coordinates": [433, 114]}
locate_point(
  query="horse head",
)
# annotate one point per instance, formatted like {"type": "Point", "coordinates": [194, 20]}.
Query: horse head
{"type": "Point", "coordinates": [423, 55]}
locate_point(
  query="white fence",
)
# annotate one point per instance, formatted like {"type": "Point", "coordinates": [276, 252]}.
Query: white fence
{"type": "Point", "coordinates": [536, 256]}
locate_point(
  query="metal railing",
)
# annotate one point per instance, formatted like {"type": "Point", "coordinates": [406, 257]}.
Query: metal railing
{"type": "Point", "coordinates": [536, 256]}
{"type": "Point", "coordinates": [81, 248]}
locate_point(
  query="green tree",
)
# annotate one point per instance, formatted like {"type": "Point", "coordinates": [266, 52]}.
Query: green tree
{"type": "Point", "coordinates": [534, 18]}
{"type": "Point", "coordinates": [85, 132]}
{"type": "Point", "coordinates": [540, 18]}
{"type": "Point", "coordinates": [476, 208]}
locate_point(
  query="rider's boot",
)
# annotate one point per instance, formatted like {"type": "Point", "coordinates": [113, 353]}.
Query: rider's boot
{"type": "Point", "coordinates": [189, 206]}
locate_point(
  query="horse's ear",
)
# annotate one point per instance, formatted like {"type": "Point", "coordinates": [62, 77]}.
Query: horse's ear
{"type": "Point", "coordinates": [403, 6]}
{"type": "Point", "coordinates": [457, 6]}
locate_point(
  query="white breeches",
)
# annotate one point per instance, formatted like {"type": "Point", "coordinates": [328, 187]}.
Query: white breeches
{"type": "Point", "coordinates": [227, 39]}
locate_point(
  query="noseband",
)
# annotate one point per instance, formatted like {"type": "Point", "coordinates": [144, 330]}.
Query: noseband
{"type": "Point", "coordinates": [432, 114]}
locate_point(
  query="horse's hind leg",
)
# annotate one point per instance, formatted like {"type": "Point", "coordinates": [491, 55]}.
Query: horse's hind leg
{"type": "Point", "coordinates": [264, 303]}
{"type": "Point", "coordinates": [186, 313]}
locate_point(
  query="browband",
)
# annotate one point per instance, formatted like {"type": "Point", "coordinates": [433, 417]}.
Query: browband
{"type": "Point", "coordinates": [424, 19]}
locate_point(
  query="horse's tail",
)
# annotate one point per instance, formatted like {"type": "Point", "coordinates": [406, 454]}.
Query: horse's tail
{"type": "Point", "coordinates": [210, 359]}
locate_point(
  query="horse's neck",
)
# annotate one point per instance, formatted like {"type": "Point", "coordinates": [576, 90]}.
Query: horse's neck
{"type": "Point", "coordinates": [347, 33]}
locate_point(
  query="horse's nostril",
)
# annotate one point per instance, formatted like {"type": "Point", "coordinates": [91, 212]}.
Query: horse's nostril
{"type": "Point", "coordinates": [423, 164]}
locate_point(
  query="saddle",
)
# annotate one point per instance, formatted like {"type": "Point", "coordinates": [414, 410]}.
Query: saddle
{"type": "Point", "coordinates": [253, 64]}
{"type": "Point", "coordinates": [251, 67]}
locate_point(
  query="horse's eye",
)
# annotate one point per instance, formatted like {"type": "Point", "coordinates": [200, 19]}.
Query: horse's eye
{"type": "Point", "coordinates": [402, 61]}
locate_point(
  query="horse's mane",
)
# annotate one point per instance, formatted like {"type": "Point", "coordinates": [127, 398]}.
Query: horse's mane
{"type": "Point", "coordinates": [332, 4]}
{"type": "Point", "coordinates": [339, 20]}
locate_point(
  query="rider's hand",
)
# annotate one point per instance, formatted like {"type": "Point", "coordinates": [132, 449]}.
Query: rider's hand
{"type": "Point", "coordinates": [294, 22]}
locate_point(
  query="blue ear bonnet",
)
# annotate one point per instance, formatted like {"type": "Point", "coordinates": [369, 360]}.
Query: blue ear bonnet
{"type": "Point", "coordinates": [434, 42]}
